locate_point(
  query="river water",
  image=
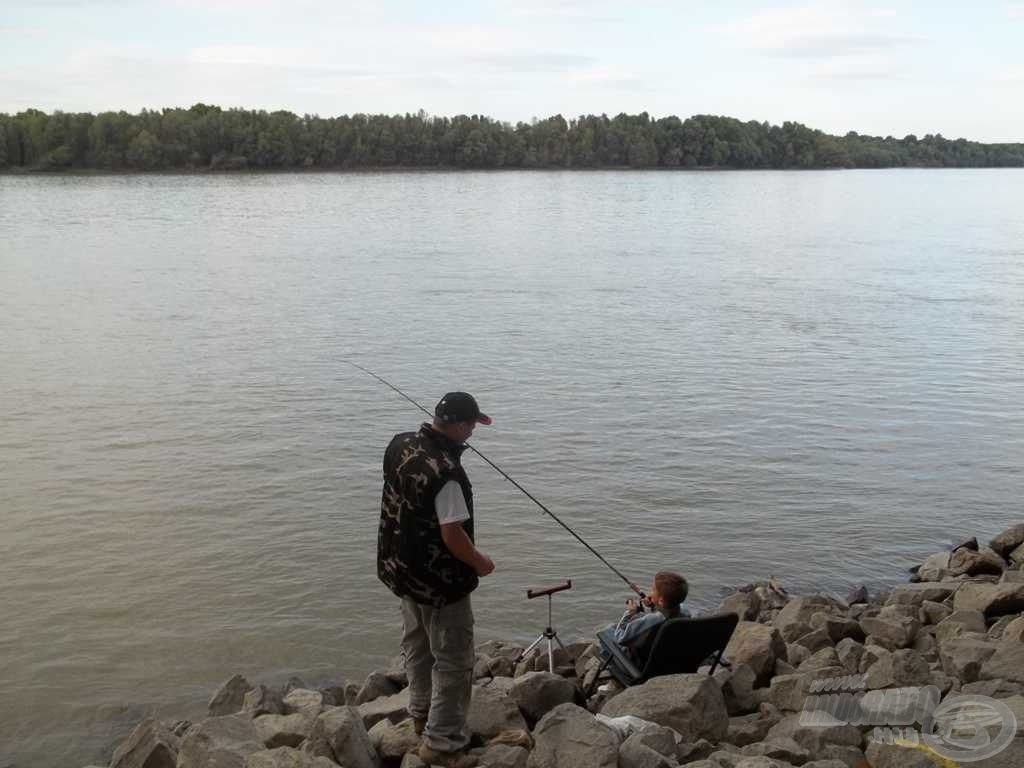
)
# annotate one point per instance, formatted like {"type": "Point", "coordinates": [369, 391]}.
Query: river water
{"type": "Point", "coordinates": [811, 375]}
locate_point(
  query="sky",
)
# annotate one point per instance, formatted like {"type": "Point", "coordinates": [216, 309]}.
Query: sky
{"type": "Point", "coordinates": [879, 67]}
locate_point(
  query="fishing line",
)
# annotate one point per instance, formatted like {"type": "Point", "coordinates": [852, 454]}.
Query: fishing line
{"type": "Point", "coordinates": [505, 474]}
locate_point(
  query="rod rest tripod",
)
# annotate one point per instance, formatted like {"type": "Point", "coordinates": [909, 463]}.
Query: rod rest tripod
{"type": "Point", "coordinates": [549, 633]}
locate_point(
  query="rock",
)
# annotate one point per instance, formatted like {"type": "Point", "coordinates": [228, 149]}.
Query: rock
{"type": "Point", "coordinates": [934, 567]}
{"type": "Point", "coordinates": [970, 544]}
{"type": "Point", "coordinates": [395, 708]}
{"type": "Point", "coordinates": [285, 757]}
{"type": "Point", "coordinates": [536, 693]}
{"type": "Point", "coordinates": [870, 655]}
{"type": "Point", "coordinates": [996, 688]}
{"type": "Point", "coordinates": [1008, 540]}
{"type": "Point", "coordinates": [396, 740]}
{"type": "Point", "coordinates": [823, 659]}
{"type": "Point", "coordinates": [179, 728]}
{"type": "Point", "coordinates": [634, 753]}
{"type": "Point", "coordinates": [794, 619]}
{"type": "Point", "coordinates": [817, 739]}
{"type": "Point", "coordinates": [1016, 557]}
{"type": "Point", "coordinates": [779, 748]}
{"type": "Point", "coordinates": [746, 605]}
{"type": "Point", "coordinates": [283, 730]}
{"type": "Point", "coordinates": [150, 745]}
{"type": "Point", "coordinates": [963, 657]}
{"type": "Point", "coordinates": [965, 562]}
{"type": "Point", "coordinates": [899, 668]}
{"type": "Point", "coordinates": [504, 756]}
{"type": "Point", "coordinates": [958, 623]}
{"type": "Point", "coordinates": [1013, 632]}
{"type": "Point", "coordinates": [796, 654]}
{"type": "Point", "coordinates": [748, 729]}
{"type": "Point", "coordinates": [758, 646]}
{"type": "Point", "coordinates": [934, 612]}
{"type": "Point", "coordinates": [839, 628]}
{"type": "Point", "coordinates": [570, 737]}
{"type": "Point", "coordinates": [784, 668]}
{"type": "Point", "coordinates": [302, 701]}
{"type": "Point", "coordinates": [1007, 663]}
{"type": "Point", "coordinates": [789, 692]}
{"type": "Point", "coordinates": [412, 760]}
{"type": "Point", "coordinates": [219, 742]}
{"type": "Point", "coordinates": [849, 652]}
{"type": "Point", "coordinates": [815, 640]}
{"type": "Point", "coordinates": [229, 698]}
{"type": "Point", "coordinates": [333, 695]}
{"type": "Point", "coordinates": [891, 633]}
{"type": "Point", "coordinates": [915, 594]}
{"type": "Point", "coordinates": [338, 734]}
{"type": "Point", "coordinates": [991, 599]}
{"type": "Point", "coordinates": [698, 750]}
{"type": "Point", "coordinates": [491, 711]}
{"type": "Point", "coordinates": [738, 688]}
{"type": "Point", "coordinates": [396, 671]}
{"type": "Point", "coordinates": [293, 683]}
{"type": "Point", "coordinates": [692, 705]}
{"type": "Point", "coordinates": [263, 701]}
{"type": "Point", "coordinates": [662, 740]}
{"type": "Point", "coordinates": [925, 644]}
{"type": "Point", "coordinates": [857, 595]}
{"type": "Point", "coordinates": [893, 756]}
{"type": "Point", "coordinates": [376, 685]}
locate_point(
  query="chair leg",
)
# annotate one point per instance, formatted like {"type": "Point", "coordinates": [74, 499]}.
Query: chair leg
{"type": "Point", "coordinates": [593, 683]}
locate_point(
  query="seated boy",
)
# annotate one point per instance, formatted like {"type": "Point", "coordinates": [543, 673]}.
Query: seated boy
{"type": "Point", "coordinates": [635, 631]}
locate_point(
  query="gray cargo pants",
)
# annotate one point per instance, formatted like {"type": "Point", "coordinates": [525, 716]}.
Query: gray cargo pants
{"type": "Point", "coordinates": [439, 658]}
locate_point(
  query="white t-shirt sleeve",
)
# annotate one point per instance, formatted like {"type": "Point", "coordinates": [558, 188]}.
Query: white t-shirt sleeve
{"type": "Point", "coordinates": [450, 504]}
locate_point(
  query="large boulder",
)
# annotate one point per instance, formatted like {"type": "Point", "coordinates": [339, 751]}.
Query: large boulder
{"type": "Point", "coordinates": [746, 605]}
{"type": "Point", "coordinates": [692, 705]}
{"type": "Point", "coordinates": [891, 632]}
{"type": "Point", "coordinates": [150, 745]}
{"type": "Point", "coordinates": [993, 600]}
{"type": "Point", "coordinates": [963, 657]}
{"type": "Point", "coordinates": [230, 697]}
{"type": "Point", "coordinates": [757, 645]}
{"type": "Point", "coordinates": [491, 711]}
{"type": "Point", "coordinates": [1007, 663]}
{"type": "Point", "coordinates": [779, 748]}
{"type": "Point", "coordinates": [966, 563]}
{"type": "Point", "coordinates": [636, 753]}
{"type": "Point", "coordinates": [958, 623]}
{"type": "Point", "coordinates": [504, 756]}
{"type": "Point", "coordinates": [789, 692]}
{"type": "Point", "coordinates": [283, 730]}
{"type": "Point", "coordinates": [905, 667]}
{"type": "Point", "coordinates": [395, 708]}
{"type": "Point", "coordinates": [338, 734]}
{"type": "Point", "coordinates": [794, 619]}
{"type": "Point", "coordinates": [934, 567]}
{"type": "Point", "coordinates": [737, 686]}
{"type": "Point", "coordinates": [894, 756]}
{"type": "Point", "coordinates": [747, 729]}
{"type": "Point", "coordinates": [262, 700]}
{"type": "Point", "coordinates": [915, 594]}
{"type": "Point", "coordinates": [570, 737]}
{"type": "Point", "coordinates": [1008, 540]}
{"type": "Point", "coordinates": [396, 740]}
{"type": "Point", "coordinates": [286, 757]}
{"type": "Point", "coordinates": [219, 742]}
{"type": "Point", "coordinates": [818, 740]}
{"type": "Point", "coordinates": [537, 693]}
{"type": "Point", "coordinates": [303, 701]}
{"type": "Point", "coordinates": [377, 684]}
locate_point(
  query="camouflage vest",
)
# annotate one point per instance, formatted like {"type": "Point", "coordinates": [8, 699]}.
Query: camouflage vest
{"type": "Point", "coordinates": [412, 559]}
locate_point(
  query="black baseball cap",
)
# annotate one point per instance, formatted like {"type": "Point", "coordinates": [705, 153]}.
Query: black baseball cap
{"type": "Point", "coordinates": [460, 406]}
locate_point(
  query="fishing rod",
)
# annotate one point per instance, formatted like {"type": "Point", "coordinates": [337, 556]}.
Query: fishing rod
{"type": "Point", "coordinates": [505, 475]}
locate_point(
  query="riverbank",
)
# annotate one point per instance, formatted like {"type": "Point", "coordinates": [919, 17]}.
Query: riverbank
{"type": "Point", "coordinates": [956, 630]}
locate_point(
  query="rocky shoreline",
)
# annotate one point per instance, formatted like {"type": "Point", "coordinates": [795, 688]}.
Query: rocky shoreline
{"type": "Point", "coordinates": [957, 628]}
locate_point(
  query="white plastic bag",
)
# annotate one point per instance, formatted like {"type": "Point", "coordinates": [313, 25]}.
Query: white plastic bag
{"type": "Point", "coordinates": [625, 726]}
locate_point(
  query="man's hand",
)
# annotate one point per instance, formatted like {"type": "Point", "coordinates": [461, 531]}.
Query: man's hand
{"type": "Point", "coordinates": [484, 565]}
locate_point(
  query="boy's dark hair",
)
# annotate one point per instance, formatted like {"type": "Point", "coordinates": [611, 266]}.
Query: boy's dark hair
{"type": "Point", "coordinates": [672, 587]}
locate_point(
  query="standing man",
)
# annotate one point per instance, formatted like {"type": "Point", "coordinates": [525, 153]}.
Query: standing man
{"type": "Point", "coordinates": [426, 556]}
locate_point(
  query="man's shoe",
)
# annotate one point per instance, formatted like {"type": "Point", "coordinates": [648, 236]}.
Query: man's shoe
{"type": "Point", "coordinates": [460, 759]}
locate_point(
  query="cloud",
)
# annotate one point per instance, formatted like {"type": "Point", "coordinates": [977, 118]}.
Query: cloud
{"type": "Point", "coordinates": [1010, 76]}
{"type": "Point", "coordinates": [819, 30]}
{"type": "Point", "coordinates": [1015, 10]}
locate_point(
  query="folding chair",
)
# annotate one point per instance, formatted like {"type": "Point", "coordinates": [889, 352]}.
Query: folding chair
{"type": "Point", "coordinates": [679, 646]}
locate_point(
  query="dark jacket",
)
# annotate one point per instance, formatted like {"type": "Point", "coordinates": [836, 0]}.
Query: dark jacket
{"type": "Point", "coordinates": [412, 559]}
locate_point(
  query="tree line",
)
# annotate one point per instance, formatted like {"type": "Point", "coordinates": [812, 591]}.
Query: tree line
{"type": "Point", "coordinates": [206, 137]}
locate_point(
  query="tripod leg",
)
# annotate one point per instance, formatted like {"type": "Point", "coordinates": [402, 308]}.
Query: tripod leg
{"type": "Point", "coordinates": [529, 648]}
{"type": "Point", "coordinates": [551, 656]}
{"type": "Point", "coordinates": [560, 643]}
